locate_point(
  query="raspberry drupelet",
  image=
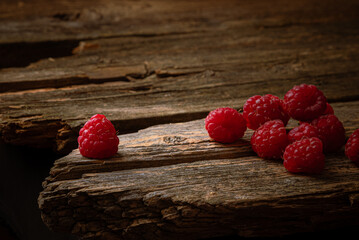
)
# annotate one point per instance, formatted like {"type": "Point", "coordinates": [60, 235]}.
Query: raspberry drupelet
{"type": "Point", "coordinates": [331, 131]}
{"type": "Point", "coordinates": [328, 110]}
{"type": "Point", "coordinates": [352, 147]}
{"type": "Point", "coordinates": [305, 102]}
{"type": "Point", "coordinates": [98, 138]}
{"type": "Point", "coordinates": [304, 130]}
{"type": "Point", "coordinates": [225, 125]}
{"type": "Point", "coordinates": [270, 140]}
{"type": "Point", "coordinates": [305, 156]}
{"type": "Point", "coordinates": [260, 109]}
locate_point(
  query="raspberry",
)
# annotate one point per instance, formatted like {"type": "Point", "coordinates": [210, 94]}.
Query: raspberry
{"type": "Point", "coordinates": [225, 125]}
{"type": "Point", "coordinates": [352, 147]}
{"type": "Point", "coordinates": [98, 138]}
{"type": "Point", "coordinates": [328, 110]}
{"type": "Point", "coordinates": [270, 140]}
{"type": "Point", "coordinates": [260, 109]}
{"type": "Point", "coordinates": [305, 155]}
{"type": "Point", "coordinates": [331, 131]}
{"type": "Point", "coordinates": [305, 102]}
{"type": "Point", "coordinates": [304, 130]}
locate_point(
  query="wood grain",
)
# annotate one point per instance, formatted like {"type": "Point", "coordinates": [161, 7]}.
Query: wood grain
{"type": "Point", "coordinates": [155, 69]}
{"type": "Point", "coordinates": [183, 142]}
{"type": "Point", "coordinates": [165, 68]}
{"type": "Point", "coordinates": [172, 181]}
{"type": "Point", "coordinates": [38, 21]}
{"type": "Point", "coordinates": [246, 196]}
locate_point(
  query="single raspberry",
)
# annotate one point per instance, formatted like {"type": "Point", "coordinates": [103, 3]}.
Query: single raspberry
{"type": "Point", "coordinates": [328, 110]}
{"type": "Point", "coordinates": [352, 147]}
{"type": "Point", "coordinates": [331, 131]}
{"type": "Point", "coordinates": [270, 140]}
{"type": "Point", "coordinates": [98, 138]}
{"type": "Point", "coordinates": [225, 125]}
{"type": "Point", "coordinates": [260, 109]}
{"type": "Point", "coordinates": [304, 130]}
{"type": "Point", "coordinates": [305, 155]}
{"type": "Point", "coordinates": [305, 102]}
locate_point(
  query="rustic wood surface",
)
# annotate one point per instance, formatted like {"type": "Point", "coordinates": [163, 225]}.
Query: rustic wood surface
{"type": "Point", "coordinates": [144, 63]}
{"type": "Point", "coordinates": [172, 181]}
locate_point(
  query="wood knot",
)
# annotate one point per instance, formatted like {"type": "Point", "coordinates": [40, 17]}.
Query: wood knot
{"type": "Point", "coordinates": [173, 139]}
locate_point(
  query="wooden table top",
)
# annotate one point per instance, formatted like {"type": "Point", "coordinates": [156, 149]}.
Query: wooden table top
{"type": "Point", "coordinates": [155, 69]}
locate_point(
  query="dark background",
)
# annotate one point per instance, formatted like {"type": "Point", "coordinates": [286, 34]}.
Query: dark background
{"type": "Point", "coordinates": [22, 171]}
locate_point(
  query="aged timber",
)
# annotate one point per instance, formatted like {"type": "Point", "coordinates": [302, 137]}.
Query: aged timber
{"type": "Point", "coordinates": [141, 66]}
{"type": "Point", "coordinates": [145, 63]}
{"type": "Point", "coordinates": [172, 181]}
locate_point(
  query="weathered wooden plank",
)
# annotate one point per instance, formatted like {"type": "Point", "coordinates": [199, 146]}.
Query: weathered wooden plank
{"type": "Point", "coordinates": [246, 196]}
{"type": "Point", "coordinates": [240, 46]}
{"type": "Point", "coordinates": [38, 21]}
{"type": "Point", "coordinates": [165, 144]}
{"type": "Point", "coordinates": [173, 181]}
{"type": "Point", "coordinates": [137, 103]}
{"type": "Point", "coordinates": [135, 75]}
{"type": "Point", "coordinates": [65, 112]}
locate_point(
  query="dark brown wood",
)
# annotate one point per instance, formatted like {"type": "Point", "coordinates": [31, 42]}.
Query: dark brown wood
{"type": "Point", "coordinates": [183, 142]}
{"type": "Point", "coordinates": [172, 181]}
{"type": "Point", "coordinates": [144, 63]}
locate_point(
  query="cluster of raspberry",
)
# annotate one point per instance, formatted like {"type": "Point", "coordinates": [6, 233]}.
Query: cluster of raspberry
{"type": "Point", "coordinates": [304, 147]}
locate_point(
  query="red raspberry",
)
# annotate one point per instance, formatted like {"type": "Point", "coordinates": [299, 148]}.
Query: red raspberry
{"type": "Point", "coordinates": [304, 130]}
{"type": "Point", "coordinates": [305, 155]}
{"type": "Point", "coordinates": [328, 110]}
{"type": "Point", "coordinates": [270, 140]}
{"type": "Point", "coordinates": [352, 147]}
{"type": "Point", "coordinates": [225, 125]}
{"type": "Point", "coordinates": [98, 138]}
{"type": "Point", "coordinates": [331, 131]}
{"type": "Point", "coordinates": [260, 109]}
{"type": "Point", "coordinates": [305, 102]}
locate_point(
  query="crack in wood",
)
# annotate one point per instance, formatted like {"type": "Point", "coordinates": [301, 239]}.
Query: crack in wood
{"type": "Point", "coordinates": [94, 76]}
{"type": "Point", "coordinates": [23, 54]}
{"type": "Point", "coordinates": [143, 63]}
